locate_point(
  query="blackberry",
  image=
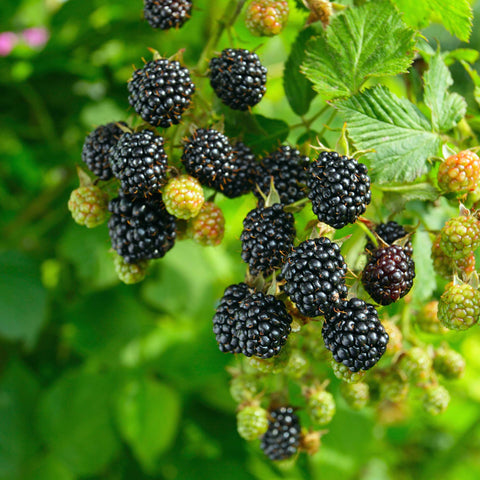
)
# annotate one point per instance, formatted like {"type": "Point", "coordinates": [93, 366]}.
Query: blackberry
{"type": "Point", "coordinates": [140, 228]}
{"type": "Point", "coordinates": [388, 274]}
{"type": "Point", "coordinates": [267, 237]}
{"type": "Point", "coordinates": [160, 92]}
{"type": "Point", "coordinates": [355, 335]}
{"type": "Point", "coordinates": [205, 153]}
{"type": "Point", "coordinates": [287, 167]}
{"type": "Point", "coordinates": [282, 439]}
{"type": "Point", "coordinates": [140, 163]}
{"type": "Point", "coordinates": [239, 176]}
{"type": "Point", "coordinates": [166, 14]}
{"type": "Point", "coordinates": [315, 276]}
{"type": "Point", "coordinates": [250, 322]}
{"type": "Point", "coordinates": [390, 232]}
{"type": "Point", "coordinates": [238, 78]}
{"type": "Point", "coordinates": [339, 189]}
{"type": "Point", "coordinates": [97, 146]}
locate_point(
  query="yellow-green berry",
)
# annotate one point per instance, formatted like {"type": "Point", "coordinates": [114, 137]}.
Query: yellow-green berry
{"type": "Point", "coordinates": [252, 422]}
{"type": "Point", "coordinates": [416, 364]}
{"type": "Point", "coordinates": [183, 197]}
{"type": "Point", "coordinates": [459, 306]}
{"type": "Point", "coordinates": [427, 318]}
{"type": "Point", "coordinates": [321, 406]}
{"type": "Point", "coordinates": [449, 363]}
{"type": "Point", "coordinates": [395, 342]}
{"type": "Point", "coordinates": [297, 364]}
{"type": "Point", "coordinates": [356, 395]}
{"type": "Point", "coordinates": [266, 17]}
{"type": "Point", "coordinates": [460, 236]}
{"type": "Point", "coordinates": [393, 387]}
{"type": "Point", "coordinates": [244, 387]}
{"type": "Point", "coordinates": [436, 399]}
{"type": "Point", "coordinates": [342, 372]}
{"type": "Point", "coordinates": [130, 273]}
{"type": "Point", "coordinates": [208, 227]}
{"type": "Point", "coordinates": [89, 206]}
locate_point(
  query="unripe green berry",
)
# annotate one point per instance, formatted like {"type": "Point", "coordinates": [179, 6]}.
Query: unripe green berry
{"type": "Point", "coordinates": [395, 342]}
{"type": "Point", "coordinates": [183, 197]}
{"type": "Point", "coordinates": [208, 227]}
{"type": "Point", "coordinates": [342, 372]}
{"type": "Point", "coordinates": [460, 236]}
{"type": "Point", "coordinates": [393, 388]}
{"type": "Point", "coordinates": [449, 363]}
{"type": "Point", "coordinates": [89, 206]}
{"type": "Point", "coordinates": [356, 395]}
{"type": "Point", "coordinates": [266, 17]}
{"type": "Point", "coordinates": [416, 364]}
{"type": "Point", "coordinates": [321, 405]}
{"type": "Point", "coordinates": [297, 364]}
{"type": "Point", "coordinates": [436, 399]}
{"type": "Point", "coordinates": [427, 318]}
{"type": "Point", "coordinates": [459, 306]}
{"type": "Point", "coordinates": [130, 273]}
{"type": "Point", "coordinates": [252, 422]}
{"type": "Point", "coordinates": [244, 387]}
{"type": "Point", "coordinates": [274, 364]}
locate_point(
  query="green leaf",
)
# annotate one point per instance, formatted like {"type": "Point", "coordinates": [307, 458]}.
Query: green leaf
{"type": "Point", "coordinates": [425, 281]}
{"type": "Point", "coordinates": [398, 132]}
{"type": "Point", "coordinates": [147, 414]}
{"type": "Point", "coordinates": [476, 80]}
{"type": "Point", "coordinates": [74, 420]}
{"type": "Point", "coordinates": [23, 299]}
{"type": "Point", "coordinates": [298, 88]}
{"type": "Point", "coordinates": [447, 108]}
{"type": "Point", "coordinates": [48, 468]}
{"type": "Point", "coordinates": [395, 196]}
{"type": "Point", "coordinates": [364, 42]}
{"type": "Point", "coordinates": [19, 391]}
{"type": "Point", "coordinates": [466, 54]}
{"type": "Point", "coordinates": [455, 16]}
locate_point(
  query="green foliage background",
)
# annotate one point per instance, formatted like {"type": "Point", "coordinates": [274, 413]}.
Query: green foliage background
{"type": "Point", "coordinates": [104, 381]}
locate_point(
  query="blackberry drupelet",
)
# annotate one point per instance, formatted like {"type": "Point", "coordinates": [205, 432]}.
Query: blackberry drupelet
{"type": "Point", "coordinates": [165, 14]}
{"type": "Point", "coordinates": [160, 92]}
{"type": "Point", "coordinates": [288, 169]}
{"type": "Point", "coordinates": [339, 189]}
{"type": "Point", "coordinates": [355, 335]}
{"type": "Point", "coordinates": [315, 276]}
{"type": "Point", "coordinates": [97, 148]}
{"type": "Point", "coordinates": [251, 322]}
{"type": "Point", "coordinates": [140, 228]}
{"type": "Point", "coordinates": [205, 153]}
{"type": "Point", "coordinates": [140, 163]}
{"type": "Point", "coordinates": [282, 439]}
{"type": "Point", "coordinates": [390, 232]}
{"type": "Point", "coordinates": [238, 78]}
{"type": "Point", "coordinates": [238, 176]}
{"type": "Point", "coordinates": [226, 317]}
{"type": "Point", "coordinates": [388, 274]}
{"type": "Point", "coordinates": [267, 238]}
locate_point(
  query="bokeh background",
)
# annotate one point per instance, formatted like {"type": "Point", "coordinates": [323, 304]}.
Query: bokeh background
{"type": "Point", "coordinates": [99, 380]}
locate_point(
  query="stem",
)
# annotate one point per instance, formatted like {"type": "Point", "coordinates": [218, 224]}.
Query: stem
{"type": "Point", "coordinates": [329, 121]}
{"type": "Point", "coordinates": [368, 233]}
{"type": "Point", "coordinates": [227, 19]}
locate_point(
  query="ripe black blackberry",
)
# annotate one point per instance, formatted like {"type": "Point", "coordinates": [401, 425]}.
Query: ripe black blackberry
{"type": "Point", "coordinates": [160, 92]}
{"type": "Point", "coordinates": [165, 14]}
{"type": "Point", "coordinates": [140, 228]}
{"type": "Point", "coordinates": [315, 276]}
{"type": "Point", "coordinates": [267, 238]}
{"type": "Point", "coordinates": [355, 335]}
{"type": "Point", "coordinates": [238, 78]}
{"type": "Point", "coordinates": [140, 163]}
{"type": "Point", "coordinates": [388, 274]}
{"type": "Point", "coordinates": [339, 189]}
{"type": "Point", "coordinates": [282, 438]}
{"type": "Point", "coordinates": [208, 156]}
{"type": "Point", "coordinates": [252, 323]}
{"type": "Point", "coordinates": [287, 167]}
{"type": "Point", "coordinates": [238, 176]}
{"type": "Point", "coordinates": [389, 232]}
{"type": "Point", "coordinates": [97, 148]}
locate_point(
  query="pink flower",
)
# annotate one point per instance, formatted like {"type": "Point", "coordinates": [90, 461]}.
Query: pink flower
{"type": "Point", "coordinates": [36, 37]}
{"type": "Point", "coordinates": [7, 41]}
